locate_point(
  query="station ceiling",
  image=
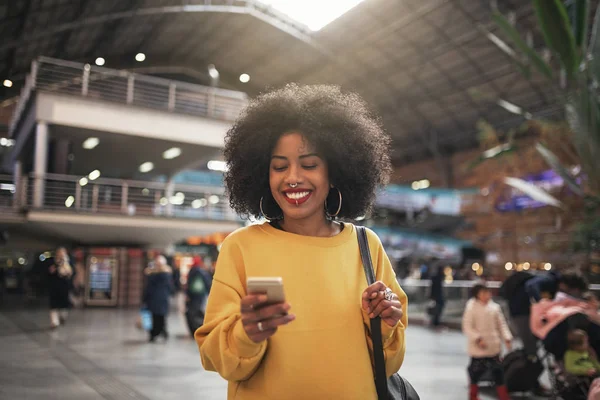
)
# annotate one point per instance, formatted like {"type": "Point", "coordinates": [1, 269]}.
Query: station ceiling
{"type": "Point", "coordinates": [428, 67]}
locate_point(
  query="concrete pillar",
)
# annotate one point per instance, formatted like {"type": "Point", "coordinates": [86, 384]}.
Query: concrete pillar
{"type": "Point", "coordinates": [17, 181]}
{"type": "Point", "coordinates": [40, 162]}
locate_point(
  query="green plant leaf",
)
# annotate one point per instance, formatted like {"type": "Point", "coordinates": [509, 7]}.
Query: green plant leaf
{"type": "Point", "coordinates": [533, 191]}
{"type": "Point", "coordinates": [581, 27]}
{"type": "Point", "coordinates": [535, 59]}
{"type": "Point", "coordinates": [495, 152]}
{"type": "Point", "coordinates": [594, 47]}
{"type": "Point", "coordinates": [554, 23]}
{"type": "Point", "coordinates": [560, 169]}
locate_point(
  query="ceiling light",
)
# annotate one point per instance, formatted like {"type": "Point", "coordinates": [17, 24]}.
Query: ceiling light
{"type": "Point", "coordinates": [164, 201]}
{"type": "Point", "coordinates": [69, 201]}
{"type": "Point", "coordinates": [508, 266]}
{"type": "Point", "coordinates": [95, 174]}
{"type": "Point", "coordinates": [146, 167]}
{"type": "Point", "coordinates": [199, 203]}
{"type": "Point", "coordinates": [424, 184]}
{"type": "Point", "coordinates": [100, 61]}
{"type": "Point", "coordinates": [172, 153]}
{"type": "Point", "coordinates": [139, 57]}
{"type": "Point", "coordinates": [3, 141]}
{"type": "Point", "coordinates": [90, 143]}
{"type": "Point", "coordinates": [475, 266]}
{"type": "Point", "coordinates": [213, 72]}
{"type": "Point", "coordinates": [145, 191]}
{"type": "Point", "coordinates": [244, 78]}
{"type": "Point", "coordinates": [415, 186]}
{"type": "Point", "coordinates": [7, 186]}
{"type": "Point", "coordinates": [547, 266]}
{"type": "Point", "coordinates": [83, 181]}
{"type": "Point", "coordinates": [213, 199]}
{"type": "Point", "coordinates": [178, 199]}
{"type": "Point", "coordinates": [7, 83]}
{"type": "Point", "coordinates": [21, 261]}
{"type": "Point", "coordinates": [217, 166]}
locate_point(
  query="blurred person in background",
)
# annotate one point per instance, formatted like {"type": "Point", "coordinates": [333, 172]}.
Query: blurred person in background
{"type": "Point", "coordinates": [159, 288]}
{"type": "Point", "coordinates": [60, 274]}
{"type": "Point", "coordinates": [199, 282]}
{"type": "Point", "coordinates": [301, 157]}
{"type": "Point", "coordinates": [513, 290]}
{"type": "Point", "coordinates": [436, 296]}
{"type": "Point", "coordinates": [486, 329]}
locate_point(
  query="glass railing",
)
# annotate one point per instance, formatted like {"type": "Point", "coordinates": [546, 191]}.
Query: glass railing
{"type": "Point", "coordinates": [133, 198]}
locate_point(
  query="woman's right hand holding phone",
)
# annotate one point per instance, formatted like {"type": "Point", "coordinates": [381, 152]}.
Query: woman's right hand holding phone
{"type": "Point", "coordinates": [261, 318]}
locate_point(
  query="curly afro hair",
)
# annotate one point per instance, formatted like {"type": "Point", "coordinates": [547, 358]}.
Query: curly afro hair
{"type": "Point", "coordinates": [340, 127]}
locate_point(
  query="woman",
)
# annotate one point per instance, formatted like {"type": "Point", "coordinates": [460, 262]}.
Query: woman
{"type": "Point", "coordinates": [301, 157]}
{"type": "Point", "coordinates": [159, 287]}
{"type": "Point", "coordinates": [60, 274]}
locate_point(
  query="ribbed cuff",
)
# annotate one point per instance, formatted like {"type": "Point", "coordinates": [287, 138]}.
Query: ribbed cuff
{"type": "Point", "coordinates": [243, 345]}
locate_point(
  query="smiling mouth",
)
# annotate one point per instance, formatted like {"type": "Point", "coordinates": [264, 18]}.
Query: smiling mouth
{"type": "Point", "coordinates": [297, 197]}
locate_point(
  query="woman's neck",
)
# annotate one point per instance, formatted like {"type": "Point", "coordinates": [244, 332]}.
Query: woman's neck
{"type": "Point", "coordinates": [318, 226]}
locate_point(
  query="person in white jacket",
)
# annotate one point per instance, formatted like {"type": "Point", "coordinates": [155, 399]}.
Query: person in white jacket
{"type": "Point", "coordinates": [486, 328]}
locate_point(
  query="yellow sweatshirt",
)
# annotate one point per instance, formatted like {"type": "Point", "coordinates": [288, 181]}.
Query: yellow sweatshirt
{"type": "Point", "coordinates": [323, 353]}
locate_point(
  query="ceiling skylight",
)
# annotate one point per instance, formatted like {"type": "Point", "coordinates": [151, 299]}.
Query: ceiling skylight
{"type": "Point", "coordinates": [313, 13]}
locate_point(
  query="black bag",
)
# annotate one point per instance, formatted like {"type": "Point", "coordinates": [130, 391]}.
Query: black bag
{"type": "Point", "coordinates": [520, 373]}
{"type": "Point", "coordinates": [396, 387]}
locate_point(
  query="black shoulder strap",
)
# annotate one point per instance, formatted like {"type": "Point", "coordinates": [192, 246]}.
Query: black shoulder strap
{"type": "Point", "coordinates": [380, 374]}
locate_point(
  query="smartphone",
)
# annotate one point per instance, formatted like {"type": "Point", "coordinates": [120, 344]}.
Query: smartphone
{"type": "Point", "coordinates": [271, 286]}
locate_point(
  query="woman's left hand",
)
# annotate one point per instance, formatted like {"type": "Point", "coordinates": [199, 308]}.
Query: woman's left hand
{"type": "Point", "coordinates": [376, 305]}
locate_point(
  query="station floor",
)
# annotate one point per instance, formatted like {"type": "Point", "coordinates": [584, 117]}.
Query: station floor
{"type": "Point", "coordinates": [99, 354]}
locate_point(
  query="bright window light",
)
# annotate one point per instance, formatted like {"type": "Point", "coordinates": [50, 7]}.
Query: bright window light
{"type": "Point", "coordinates": [139, 57]}
{"type": "Point", "coordinates": [244, 78]}
{"type": "Point", "coordinates": [146, 167]}
{"type": "Point", "coordinates": [7, 83]}
{"type": "Point", "coordinates": [90, 143]}
{"type": "Point", "coordinates": [95, 174]}
{"type": "Point", "coordinates": [100, 61]}
{"type": "Point", "coordinates": [7, 186]}
{"type": "Point", "coordinates": [315, 14]}
{"type": "Point", "coordinates": [172, 153]}
{"type": "Point", "coordinates": [217, 166]}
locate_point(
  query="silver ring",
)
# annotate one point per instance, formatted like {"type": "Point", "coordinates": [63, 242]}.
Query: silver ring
{"type": "Point", "coordinates": [260, 327]}
{"type": "Point", "coordinates": [388, 294]}
{"type": "Point", "coordinates": [293, 185]}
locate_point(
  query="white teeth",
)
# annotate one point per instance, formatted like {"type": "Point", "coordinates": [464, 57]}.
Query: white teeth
{"type": "Point", "coordinates": [298, 195]}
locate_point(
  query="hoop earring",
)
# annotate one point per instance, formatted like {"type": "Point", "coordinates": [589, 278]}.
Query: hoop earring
{"type": "Point", "coordinates": [263, 212]}
{"type": "Point", "coordinates": [339, 206]}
